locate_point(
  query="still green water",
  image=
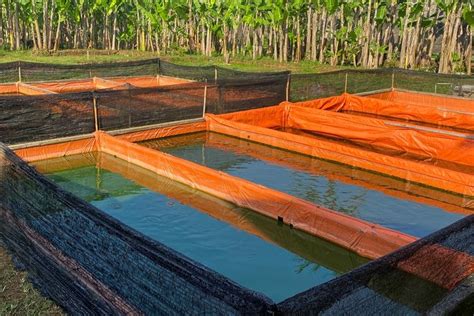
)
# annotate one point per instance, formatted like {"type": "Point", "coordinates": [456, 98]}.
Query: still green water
{"type": "Point", "coordinates": [378, 199]}
{"type": "Point", "coordinates": [250, 249]}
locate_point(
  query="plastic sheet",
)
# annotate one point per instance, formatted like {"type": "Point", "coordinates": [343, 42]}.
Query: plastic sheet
{"type": "Point", "coordinates": [338, 172]}
{"type": "Point", "coordinates": [173, 130]}
{"type": "Point", "coordinates": [440, 112]}
{"type": "Point", "coordinates": [423, 142]}
{"type": "Point", "coordinates": [426, 99]}
{"type": "Point", "coordinates": [365, 239]}
{"type": "Point", "coordinates": [58, 149]}
{"type": "Point", "coordinates": [409, 170]}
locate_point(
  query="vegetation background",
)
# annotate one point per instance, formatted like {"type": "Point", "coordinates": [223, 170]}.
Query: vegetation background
{"type": "Point", "coordinates": [427, 34]}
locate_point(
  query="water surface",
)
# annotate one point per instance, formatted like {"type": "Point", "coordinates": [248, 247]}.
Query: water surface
{"type": "Point", "coordinates": [395, 204]}
{"type": "Point", "coordinates": [253, 250]}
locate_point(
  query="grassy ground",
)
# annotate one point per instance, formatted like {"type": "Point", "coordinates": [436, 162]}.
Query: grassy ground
{"type": "Point", "coordinates": [17, 295]}
{"type": "Point", "coordinates": [240, 63]}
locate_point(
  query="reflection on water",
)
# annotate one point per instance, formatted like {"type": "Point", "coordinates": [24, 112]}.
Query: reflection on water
{"type": "Point", "coordinates": [386, 201]}
{"type": "Point", "coordinates": [253, 250]}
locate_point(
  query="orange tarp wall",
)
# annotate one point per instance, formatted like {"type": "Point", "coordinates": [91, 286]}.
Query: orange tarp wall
{"type": "Point", "coordinates": [449, 112]}
{"type": "Point", "coordinates": [235, 124]}
{"type": "Point", "coordinates": [366, 239]}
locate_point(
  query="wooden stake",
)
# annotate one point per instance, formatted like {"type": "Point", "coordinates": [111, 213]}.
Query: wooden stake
{"type": "Point", "coordinates": [204, 101]}
{"type": "Point", "coordinates": [288, 87]}
{"type": "Point", "coordinates": [19, 72]}
{"type": "Point", "coordinates": [96, 118]}
{"type": "Point", "coordinates": [345, 83]}
{"type": "Point", "coordinates": [393, 80]}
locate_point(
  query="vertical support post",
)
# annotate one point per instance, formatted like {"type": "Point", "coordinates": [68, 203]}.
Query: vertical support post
{"type": "Point", "coordinates": [96, 115]}
{"type": "Point", "coordinates": [19, 71]}
{"type": "Point", "coordinates": [288, 79]}
{"type": "Point", "coordinates": [393, 79]}
{"type": "Point", "coordinates": [158, 72]}
{"type": "Point", "coordinates": [345, 82]}
{"type": "Point", "coordinates": [204, 101]}
{"type": "Point", "coordinates": [215, 74]}
{"type": "Point", "coordinates": [129, 104]}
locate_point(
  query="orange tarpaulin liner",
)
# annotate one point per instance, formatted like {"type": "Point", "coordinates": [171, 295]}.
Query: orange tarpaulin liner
{"type": "Point", "coordinates": [60, 149]}
{"type": "Point", "coordinates": [173, 130]}
{"type": "Point", "coordinates": [426, 99]}
{"type": "Point", "coordinates": [450, 115]}
{"type": "Point", "coordinates": [366, 239]}
{"type": "Point", "coordinates": [334, 171]}
{"type": "Point", "coordinates": [417, 171]}
{"type": "Point", "coordinates": [405, 138]}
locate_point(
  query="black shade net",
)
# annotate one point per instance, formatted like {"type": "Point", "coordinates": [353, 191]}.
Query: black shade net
{"type": "Point", "coordinates": [127, 108]}
{"type": "Point", "coordinates": [433, 276]}
{"type": "Point", "coordinates": [457, 85]}
{"type": "Point", "coordinates": [31, 72]}
{"type": "Point", "coordinates": [89, 263]}
{"type": "Point", "coordinates": [237, 95]}
{"type": "Point", "coordinates": [9, 72]}
{"type": "Point", "coordinates": [320, 85]}
{"type": "Point", "coordinates": [33, 118]}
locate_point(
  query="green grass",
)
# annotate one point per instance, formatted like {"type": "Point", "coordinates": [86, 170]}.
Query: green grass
{"type": "Point", "coordinates": [238, 63]}
{"type": "Point", "coordinates": [17, 295]}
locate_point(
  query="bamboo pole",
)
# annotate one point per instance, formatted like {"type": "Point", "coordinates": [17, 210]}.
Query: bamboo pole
{"type": "Point", "coordinates": [158, 73]}
{"type": "Point", "coordinates": [19, 71]}
{"type": "Point", "coordinates": [96, 116]}
{"type": "Point", "coordinates": [345, 82]}
{"type": "Point", "coordinates": [204, 101]}
{"type": "Point", "coordinates": [393, 80]}
{"type": "Point", "coordinates": [288, 79]}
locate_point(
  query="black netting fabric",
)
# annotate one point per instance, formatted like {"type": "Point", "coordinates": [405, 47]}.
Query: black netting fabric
{"type": "Point", "coordinates": [237, 95]}
{"type": "Point", "coordinates": [433, 276]}
{"type": "Point", "coordinates": [126, 108]}
{"type": "Point", "coordinates": [214, 74]}
{"type": "Point", "coordinates": [226, 75]}
{"type": "Point", "coordinates": [368, 80]}
{"type": "Point", "coordinates": [457, 85]}
{"type": "Point", "coordinates": [148, 67]}
{"type": "Point", "coordinates": [313, 86]}
{"type": "Point", "coordinates": [31, 72]}
{"type": "Point", "coordinates": [33, 118]}
{"type": "Point", "coordinates": [9, 72]}
{"type": "Point", "coordinates": [91, 264]}
{"type": "Point", "coordinates": [200, 73]}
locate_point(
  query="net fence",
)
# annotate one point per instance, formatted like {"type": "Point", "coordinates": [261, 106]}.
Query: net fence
{"type": "Point", "coordinates": [118, 109]}
{"type": "Point", "coordinates": [432, 276]}
{"type": "Point", "coordinates": [90, 263]}
{"type": "Point", "coordinates": [30, 118]}
{"type": "Point", "coordinates": [34, 118]}
{"type": "Point", "coordinates": [320, 85]}
{"type": "Point", "coordinates": [212, 89]}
